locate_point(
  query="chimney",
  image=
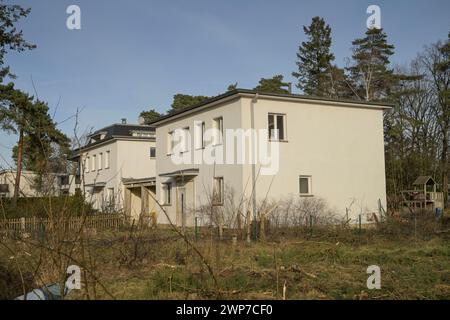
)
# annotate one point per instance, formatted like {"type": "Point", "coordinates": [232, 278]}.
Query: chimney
{"type": "Point", "coordinates": [124, 121]}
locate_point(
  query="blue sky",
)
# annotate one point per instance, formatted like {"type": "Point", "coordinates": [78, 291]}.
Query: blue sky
{"type": "Point", "coordinates": [134, 55]}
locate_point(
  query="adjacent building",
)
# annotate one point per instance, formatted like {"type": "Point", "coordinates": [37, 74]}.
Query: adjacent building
{"type": "Point", "coordinates": [117, 168]}
{"type": "Point", "coordinates": [28, 186]}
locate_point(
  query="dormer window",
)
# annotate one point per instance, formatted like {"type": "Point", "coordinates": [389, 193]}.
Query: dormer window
{"type": "Point", "coordinates": [97, 137]}
{"type": "Point", "coordinates": [145, 134]}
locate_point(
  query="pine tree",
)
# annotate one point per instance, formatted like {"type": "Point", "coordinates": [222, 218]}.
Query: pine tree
{"type": "Point", "coordinates": [273, 85]}
{"type": "Point", "coordinates": [150, 116]}
{"type": "Point", "coordinates": [370, 76]}
{"type": "Point", "coordinates": [181, 101]}
{"type": "Point", "coordinates": [38, 136]}
{"type": "Point", "coordinates": [10, 38]}
{"type": "Point", "coordinates": [316, 75]}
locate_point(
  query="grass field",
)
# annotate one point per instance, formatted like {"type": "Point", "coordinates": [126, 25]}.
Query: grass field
{"type": "Point", "coordinates": [160, 265]}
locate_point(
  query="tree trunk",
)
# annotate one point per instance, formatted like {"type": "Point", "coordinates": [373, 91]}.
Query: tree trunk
{"type": "Point", "coordinates": [19, 168]}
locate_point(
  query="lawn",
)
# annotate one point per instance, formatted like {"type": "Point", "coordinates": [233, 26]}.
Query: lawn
{"type": "Point", "coordinates": [160, 265]}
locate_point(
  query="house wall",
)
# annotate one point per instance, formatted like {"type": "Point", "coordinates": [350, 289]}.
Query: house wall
{"type": "Point", "coordinates": [27, 181]}
{"type": "Point", "coordinates": [128, 159]}
{"type": "Point", "coordinates": [199, 191]}
{"type": "Point", "coordinates": [339, 145]}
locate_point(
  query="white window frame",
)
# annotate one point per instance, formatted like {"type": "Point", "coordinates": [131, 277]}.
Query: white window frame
{"type": "Point", "coordinates": [100, 161]}
{"type": "Point", "coordinates": [218, 198]}
{"type": "Point", "coordinates": [94, 162]}
{"type": "Point", "coordinates": [199, 132]}
{"type": "Point", "coordinates": [218, 126]}
{"type": "Point", "coordinates": [107, 159]}
{"type": "Point", "coordinates": [310, 193]}
{"type": "Point", "coordinates": [185, 142]}
{"type": "Point", "coordinates": [275, 125]}
{"type": "Point", "coordinates": [167, 192]}
{"type": "Point", "coordinates": [152, 148]}
{"type": "Point", "coordinates": [87, 162]}
{"type": "Point", "coordinates": [170, 143]}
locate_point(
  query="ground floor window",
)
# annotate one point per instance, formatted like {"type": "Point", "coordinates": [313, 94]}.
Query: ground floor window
{"type": "Point", "coordinates": [218, 191]}
{"type": "Point", "coordinates": [305, 185]}
{"type": "Point", "coordinates": [167, 192]}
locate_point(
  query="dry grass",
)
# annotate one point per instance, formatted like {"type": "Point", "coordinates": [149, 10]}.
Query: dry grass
{"type": "Point", "coordinates": [157, 264]}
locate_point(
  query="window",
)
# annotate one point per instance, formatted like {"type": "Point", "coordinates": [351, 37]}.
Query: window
{"type": "Point", "coordinates": [199, 135]}
{"type": "Point", "coordinates": [110, 196]}
{"type": "Point", "coordinates": [218, 132]}
{"type": "Point", "coordinates": [218, 191]}
{"type": "Point", "coordinates": [107, 159]}
{"type": "Point", "coordinates": [305, 185]}
{"type": "Point", "coordinates": [167, 191]}
{"type": "Point", "coordinates": [152, 152]}
{"type": "Point", "coordinates": [170, 143]}
{"type": "Point", "coordinates": [86, 164]}
{"type": "Point", "coordinates": [4, 188]}
{"type": "Point", "coordinates": [185, 140]}
{"type": "Point", "coordinates": [276, 126]}
{"type": "Point", "coordinates": [144, 134]}
{"type": "Point", "coordinates": [100, 161]}
{"type": "Point", "coordinates": [94, 159]}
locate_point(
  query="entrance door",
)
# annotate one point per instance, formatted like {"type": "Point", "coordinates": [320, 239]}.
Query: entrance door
{"type": "Point", "coordinates": [181, 207]}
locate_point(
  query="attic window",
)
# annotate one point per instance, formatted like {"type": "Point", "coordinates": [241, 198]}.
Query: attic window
{"type": "Point", "coordinates": [142, 134]}
{"type": "Point", "coordinates": [97, 137]}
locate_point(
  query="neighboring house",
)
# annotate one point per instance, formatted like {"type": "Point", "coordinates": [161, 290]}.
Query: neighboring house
{"type": "Point", "coordinates": [27, 184]}
{"type": "Point", "coordinates": [328, 149]}
{"type": "Point", "coordinates": [117, 166]}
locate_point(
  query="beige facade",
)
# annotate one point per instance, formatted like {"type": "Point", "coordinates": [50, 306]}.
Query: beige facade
{"type": "Point", "coordinates": [27, 187]}
{"type": "Point", "coordinates": [112, 165]}
{"type": "Point", "coordinates": [333, 150]}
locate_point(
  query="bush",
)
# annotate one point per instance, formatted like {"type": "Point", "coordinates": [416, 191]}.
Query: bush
{"type": "Point", "coordinates": [42, 206]}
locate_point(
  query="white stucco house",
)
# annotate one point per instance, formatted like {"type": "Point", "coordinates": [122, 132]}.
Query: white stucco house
{"type": "Point", "coordinates": [320, 148]}
{"type": "Point", "coordinates": [27, 187]}
{"type": "Point", "coordinates": [117, 168]}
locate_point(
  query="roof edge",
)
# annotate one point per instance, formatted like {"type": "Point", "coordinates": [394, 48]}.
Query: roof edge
{"type": "Point", "coordinates": [243, 92]}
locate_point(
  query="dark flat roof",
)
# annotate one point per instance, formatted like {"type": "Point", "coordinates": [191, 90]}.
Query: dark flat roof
{"type": "Point", "coordinates": [120, 129]}
{"type": "Point", "coordinates": [281, 95]}
{"type": "Point", "coordinates": [116, 130]}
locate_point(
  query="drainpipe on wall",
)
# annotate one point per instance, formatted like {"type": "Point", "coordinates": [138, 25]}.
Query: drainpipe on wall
{"type": "Point", "coordinates": [253, 150]}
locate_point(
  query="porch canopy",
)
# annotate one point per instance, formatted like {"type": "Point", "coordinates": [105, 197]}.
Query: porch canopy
{"type": "Point", "coordinates": [181, 173]}
{"type": "Point", "coordinates": [141, 182]}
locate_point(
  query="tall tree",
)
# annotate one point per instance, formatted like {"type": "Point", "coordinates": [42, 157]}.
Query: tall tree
{"type": "Point", "coordinates": [411, 132]}
{"type": "Point", "coordinates": [316, 75]}
{"type": "Point", "coordinates": [10, 37]}
{"type": "Point", "coordinates": [181, 101]}
{"type": "Point", "coordinates": [436, 61]}
{"type": "Point", "coordinates": [273, 85]}
{"type": "Point", "coordinates": [370, 74]}
{"type": "Point", "coordinates": [38, 136]}
{"type": "Point", "coordinates": [16, 114]}
{"type": "Point", "coordinates": [150, 115]}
